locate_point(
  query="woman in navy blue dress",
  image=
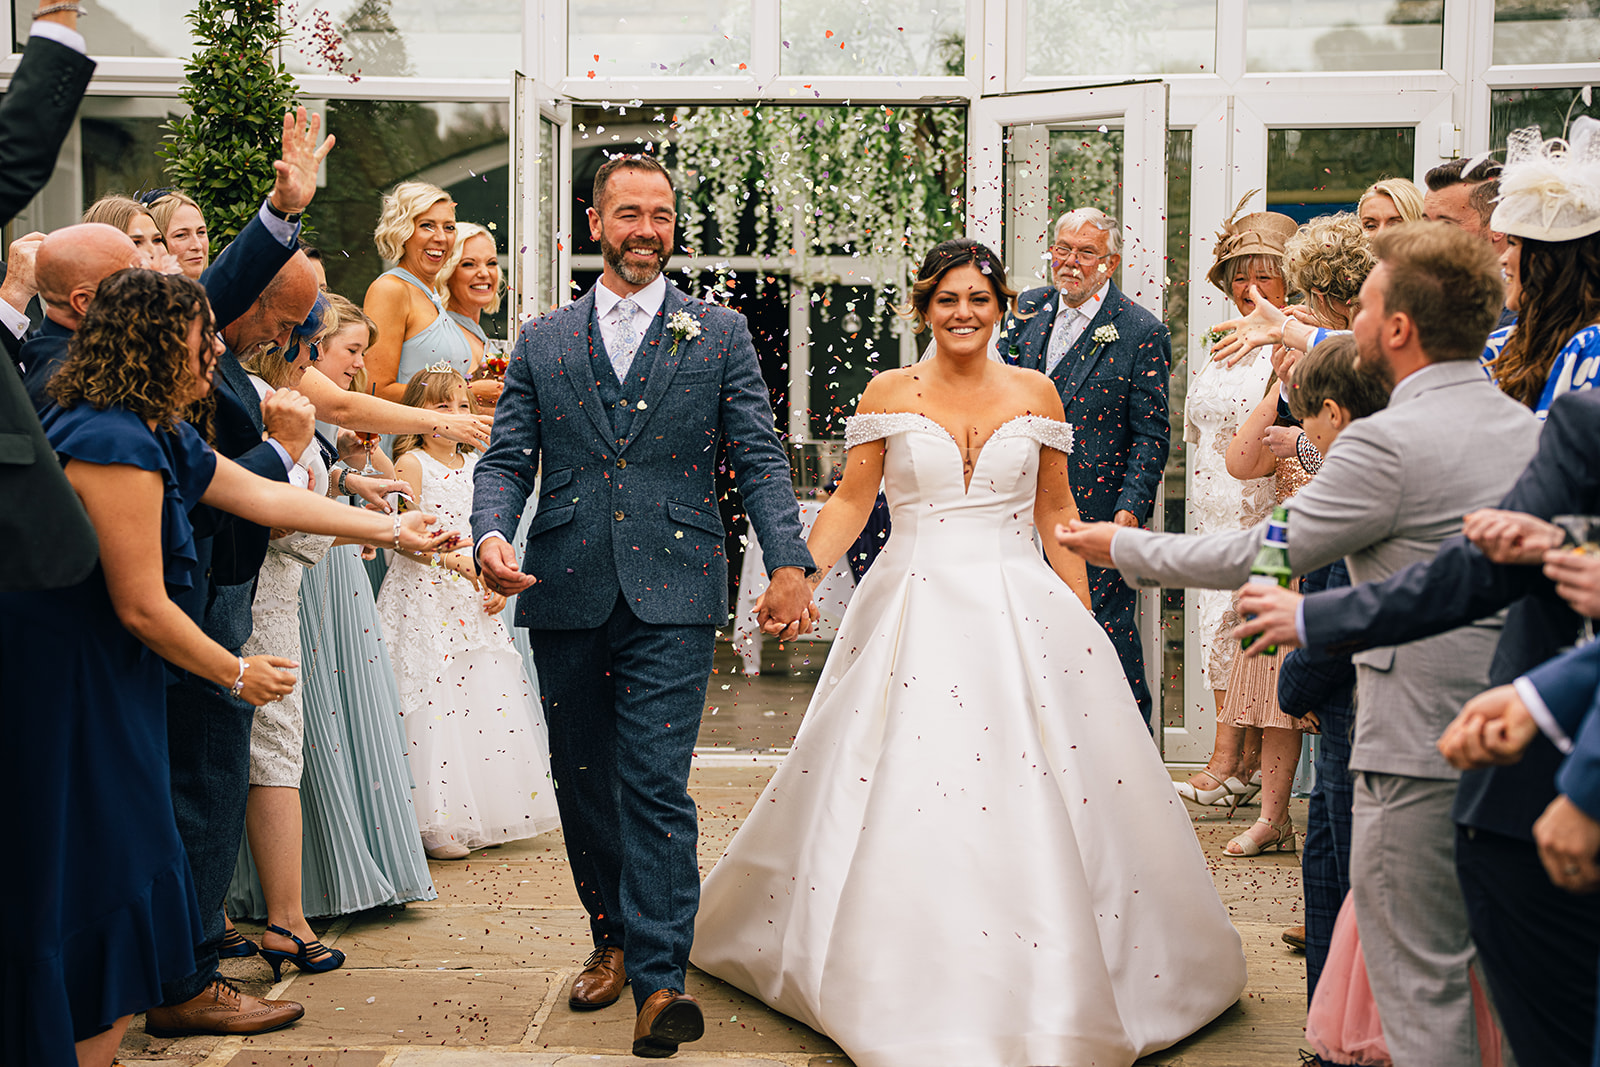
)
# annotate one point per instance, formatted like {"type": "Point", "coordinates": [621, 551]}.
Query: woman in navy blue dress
{"type": "Point", "coordinates": [106, 911]}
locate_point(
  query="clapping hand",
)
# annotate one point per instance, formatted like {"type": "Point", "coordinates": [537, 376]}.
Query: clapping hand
{"type": "Point", "coordinates": [1511, 537]}
{"type": "Point", "coordinates": [1494, 728]}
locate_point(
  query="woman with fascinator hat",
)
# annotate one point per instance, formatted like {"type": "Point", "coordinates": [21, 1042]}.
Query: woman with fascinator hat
{"type": "Point", "coordinates": [1549, 208]}
{"type": "Point", "coordinates": [1249, 255]}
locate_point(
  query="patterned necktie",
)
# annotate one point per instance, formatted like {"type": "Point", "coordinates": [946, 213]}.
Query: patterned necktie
{"type": "Point", "coordinates": [627, 338]}
{"type": "Point", "coordinates": [1062, 334]}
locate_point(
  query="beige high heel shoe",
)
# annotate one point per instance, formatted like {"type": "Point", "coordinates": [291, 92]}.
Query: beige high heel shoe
{"type": "Point", "coordinates": [1283, 840]}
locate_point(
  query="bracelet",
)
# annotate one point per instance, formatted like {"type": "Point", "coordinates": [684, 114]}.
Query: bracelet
{"type": "Point", "coordinates": [56, 9]}
{"type": "Point", "coordinates": [238, 683]}
{"type": "Point", "coordinates": [1306, 452]}
{"type": "Point", "coordinates": [397, 530]}
{"type": "Point", "coordinates": [344, 472]}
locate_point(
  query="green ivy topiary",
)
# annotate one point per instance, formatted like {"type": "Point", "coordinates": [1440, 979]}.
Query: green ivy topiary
{"type": "Point", "coordinates": [237, 91]}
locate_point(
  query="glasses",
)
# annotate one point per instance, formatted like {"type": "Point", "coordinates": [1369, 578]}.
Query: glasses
{"type": "Point", "coordinates": [1062, 252]}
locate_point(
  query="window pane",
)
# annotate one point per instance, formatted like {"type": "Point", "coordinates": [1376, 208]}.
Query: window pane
{"type": "Point", "coordinates": [421, 38]}
{"type": "Point", "coordinates": [1175, 313]}
{"type": "Point", "coordinates": [549, 215]}
{"type": "Point", "coordinates": [120, 138]}
{"type": "Point", "coordinates": [1319, 172]}
{"type": "Point", "coordinates": [1121, 37]}
{"type": "Point", "coordinates": [905, 37]}
{"type": "Point", "coordinates": [611, 39]}
{"type": "Point", "coordinates": [1346, 35]}
{"type": "Point", "coordinates": [1512, 109]}
{"type": "Point", "coordinates": [122, 27]}
{"type": "Point", "coordinates": [1546, 31]}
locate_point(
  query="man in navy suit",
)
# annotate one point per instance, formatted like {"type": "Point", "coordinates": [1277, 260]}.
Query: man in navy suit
{"type": "Point", "coordinates": [1109, 358]}
{"type": "Point", "coordinates": [621, 400]}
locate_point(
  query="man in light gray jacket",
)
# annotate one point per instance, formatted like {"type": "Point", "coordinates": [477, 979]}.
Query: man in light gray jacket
{"type": "Point", "coordinates": [1393, 487]}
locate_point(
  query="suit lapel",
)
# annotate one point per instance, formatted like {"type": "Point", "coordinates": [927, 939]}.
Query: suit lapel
{"type": "Point", "coordinates": [1077, 364]}
{"type": "Point", "coordinates": [239, 385]}
{"type": "Point", "coordinates": [663, 362]}
{"type": "Point", "coordinates": [1034, 344]}
{"type": "Point", "coordinates": [572, 356]}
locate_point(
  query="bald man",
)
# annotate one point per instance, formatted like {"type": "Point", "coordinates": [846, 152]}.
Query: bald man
{"type": "Point", "coordinates": [68, 268]}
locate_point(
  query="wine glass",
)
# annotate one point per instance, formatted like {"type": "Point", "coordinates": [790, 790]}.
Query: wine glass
{"type": "Point", "coordinates": [1584, 534]}
{"type": "Point", "coordinates": [369, 441]}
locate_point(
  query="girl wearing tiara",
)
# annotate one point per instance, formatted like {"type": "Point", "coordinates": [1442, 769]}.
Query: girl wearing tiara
{"type": "Point", "coordinates": [477, 737]}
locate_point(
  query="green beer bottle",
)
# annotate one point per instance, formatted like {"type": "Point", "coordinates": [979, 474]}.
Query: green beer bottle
{"type": "Point", "coordinates": [1272, 563]}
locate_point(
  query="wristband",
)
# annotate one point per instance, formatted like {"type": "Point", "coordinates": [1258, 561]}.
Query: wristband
{"type": "Point", "coordinates": [286, 216]}
{"type": "Point", "coordinates": [238, 683]}
{"type": "Point", "coordinates": [1306, 452]}
{"type": "Point", "coordinates": [397, 530]}
{"type": "Point", "coordinates": [56, 9]}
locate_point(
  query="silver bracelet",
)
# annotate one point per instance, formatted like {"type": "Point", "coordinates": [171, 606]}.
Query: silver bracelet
{"type": "Point", "coordinates": [344, 472]}
{"type": "Point", "coordinates": [397, 530]}
{"type": "Point", "coordinates": [56, 9]}
{"type": "Point", "coordinates": [238, 683]}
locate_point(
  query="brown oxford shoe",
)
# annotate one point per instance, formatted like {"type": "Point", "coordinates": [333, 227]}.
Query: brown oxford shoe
{"type": "Point", "coordinates": [221, 1009]}
{"type": "Point", "coordinates": [601, 982]}
{"type": "Point", "coordinates": [667, 1019]}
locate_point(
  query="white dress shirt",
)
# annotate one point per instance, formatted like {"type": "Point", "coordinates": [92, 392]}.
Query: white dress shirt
{"type": "Point", "coordinates": [647, 303]}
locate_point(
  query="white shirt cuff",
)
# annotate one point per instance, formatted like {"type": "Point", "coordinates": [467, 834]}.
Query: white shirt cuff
{"type": "Point", "coordinates": [485, 539]}
{"type": "Point", "coordinates": [1300, 622]}
{"type": "Point", "coordinates": [1541, 714]}
{"type": "Point", "coordinates": [60, 34]}
{"type": "Point", "coordinates": [283, 454]}
{"type": "Point", "coordinates": [299, 477]}
{"type": "Point", "coordinates": [283, 232]}
{"type": "Point", "coordinates": [13, 320]}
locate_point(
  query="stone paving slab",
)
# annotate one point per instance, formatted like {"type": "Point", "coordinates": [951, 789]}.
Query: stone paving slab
{"type": "Point", "coordinates": [346, 1057]}
{"type": "Point", "coordinates": [471, 938]}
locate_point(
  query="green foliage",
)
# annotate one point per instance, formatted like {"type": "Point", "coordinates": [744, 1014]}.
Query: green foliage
{"type": "Point", "coordinates": [237, 91]}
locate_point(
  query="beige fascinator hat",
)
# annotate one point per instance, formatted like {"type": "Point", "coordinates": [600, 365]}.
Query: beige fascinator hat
{"type": "Point", "coordinates": [1550, 190]}
{"type": "Point", "coordinates": [1262, 233]}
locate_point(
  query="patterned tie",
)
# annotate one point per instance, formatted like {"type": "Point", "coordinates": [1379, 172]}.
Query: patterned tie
{"type": "Point", "coordinates": [1062, 336]}
{"type": "Point", "coordinates": [627, 338]}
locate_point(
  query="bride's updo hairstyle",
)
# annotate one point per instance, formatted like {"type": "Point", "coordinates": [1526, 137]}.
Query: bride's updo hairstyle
{"type": "Point", "coordinates": [944, 257]}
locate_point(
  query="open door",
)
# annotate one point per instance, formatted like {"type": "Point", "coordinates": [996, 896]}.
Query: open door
{"type": "Point", "coordinates": [540, 272]}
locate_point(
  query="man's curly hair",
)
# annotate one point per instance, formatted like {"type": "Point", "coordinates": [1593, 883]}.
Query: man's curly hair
{"type": "Point", "coordinates": [1329, 255]}
{"type": "Point", "coordinates": [132, 349]}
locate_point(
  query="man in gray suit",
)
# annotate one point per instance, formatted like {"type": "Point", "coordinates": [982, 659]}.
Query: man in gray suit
{"type": "Point", "coordinates": [623, 398]}
{"type": "Point", "coordinates": [1393, 487]}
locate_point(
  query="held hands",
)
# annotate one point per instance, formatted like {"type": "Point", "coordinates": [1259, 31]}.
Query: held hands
{"type": "Point", "coordinates": [786, 610]}
{"type": "Point", "coordinates": [1511, 537]}
{"type": "Point", "coordinates": [1568, 840]}
{"type": "Point", "coordinates": [465, 429]}
{"type": "Point", "coordinates": [1577, 578]}
{"type": "Point", "coordinates": [295, 175]}
{"type": "Point", "coordinates": [498, 564]}
{"type": "Point", "coordinates": [290, 419]}
{"type": "Point", "coordinates": [1275, 610]}
{"type": "Point", "coordinates": [1091, 540]}
{"type": "Point", "coordinates": [493, 603]}
{"type": "Point", "coordinates": [1263, 326]}
{"type": "Point", "coordinates": [267, 678]}
{"type": "Point", "coordinates": [1494, 728]}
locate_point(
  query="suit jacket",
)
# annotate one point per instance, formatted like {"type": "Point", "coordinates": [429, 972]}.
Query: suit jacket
{"type": "Point", "coordinates": [1393, 487]}
{"type": "Point", "coordinates": [1569, 688]}
{"type": "Point", "coordinates": [237, 432]}
{"type": "Point", "coordinates": [1115, 395]}
{"type": "Point", "coordinates": [636, 514]}
{"type": "Point", "coordinates": [1460, 585]}
{"type": "Point", "coordinates": [52, 542]}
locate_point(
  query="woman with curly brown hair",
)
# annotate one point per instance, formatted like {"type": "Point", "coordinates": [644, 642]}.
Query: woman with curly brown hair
{"type": "Point", "coordinates": [109, 905]}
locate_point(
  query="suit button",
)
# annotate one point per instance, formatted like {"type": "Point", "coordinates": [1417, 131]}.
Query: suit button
{"type": "Point", "coordinates": [617, 515]}
{"type": "Point", "coordinates": [622, 464]}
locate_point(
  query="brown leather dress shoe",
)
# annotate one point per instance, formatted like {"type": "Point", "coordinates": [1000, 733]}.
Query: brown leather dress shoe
{"type": "Point", "coordinates": [667, 1019]}
{"type": "Point", "coordinates": [221, 1008]}
{"type": "Point", "coordinates": [1295, 938]}
{"type": "Point", "coordinates": [601, 982]}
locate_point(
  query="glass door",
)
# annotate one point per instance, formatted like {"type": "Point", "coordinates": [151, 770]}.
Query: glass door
{"type": "Point", "coordinates": [540, 260]}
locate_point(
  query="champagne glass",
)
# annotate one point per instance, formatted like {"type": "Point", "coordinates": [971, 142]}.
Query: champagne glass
{"type": "Point", "coordinates": [369, 441]}
{"type": "Point", "coordinates": [1584, 534]}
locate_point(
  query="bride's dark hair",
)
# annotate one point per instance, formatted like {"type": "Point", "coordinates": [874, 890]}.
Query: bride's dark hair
{"type": "Point", "coordinates": [946, 256]}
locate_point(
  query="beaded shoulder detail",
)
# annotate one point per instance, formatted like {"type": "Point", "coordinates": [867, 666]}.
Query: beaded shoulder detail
{"type": "Point", "coordinates": [859, 429]}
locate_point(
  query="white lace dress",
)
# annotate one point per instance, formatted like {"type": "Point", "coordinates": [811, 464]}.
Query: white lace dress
{"type": "Point", "coordinates": [1220, 399]}
{"type": "Point", "coordinates": [479, 750]}
{"type": "Point", "coordinates": [973, 854]}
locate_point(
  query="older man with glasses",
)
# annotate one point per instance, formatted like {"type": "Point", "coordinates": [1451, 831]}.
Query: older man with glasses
{"type": "Point", "coordinates": [1109, 359]}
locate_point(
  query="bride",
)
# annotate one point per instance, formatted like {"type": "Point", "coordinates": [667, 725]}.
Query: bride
{"type": "Point", "coordinates": [973, 854]}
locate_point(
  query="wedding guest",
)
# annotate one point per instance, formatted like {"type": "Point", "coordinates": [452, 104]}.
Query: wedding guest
{"type": "Point", "coordinates": [69, 266]}
{"type": "Point", "coordinates": [315, 256]}
{"type": "Point", "coordinates": [183, 227]}
{"type": "Point", "coordinates": [1389, 493]}
{"type": "Point", "coordinates": [471, 283]}
{"type": "Point", "coordinates": [130, 216]}
{"type": "Point", "coordinates": [1464, 197]}
{"type": "Point", "coordinates": [1221, 395]}
{"type": "Point", "coordinates": [1549, 211]}
{"type": "Point", "coordinates": [107, 926]}
{"type": "Point", "coordinates": [1389, 202]}
{"type": "Point", "coordinates": [478, 742]}
{"type": "Point", "coordinates": [1109, 359]}
{"type": "Point", "coordinates": [417, 229]}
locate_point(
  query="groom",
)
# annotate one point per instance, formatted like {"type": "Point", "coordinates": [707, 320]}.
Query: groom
{"type": "Point", "coordinates": [621, 399]}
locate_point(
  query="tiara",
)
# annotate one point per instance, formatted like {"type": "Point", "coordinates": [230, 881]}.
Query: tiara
{"type": "Point", "coordinates": [443, 366]}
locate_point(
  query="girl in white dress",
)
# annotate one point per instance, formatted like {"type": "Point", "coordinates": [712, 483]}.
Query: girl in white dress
{"type": "Point", "coordinates": [479, 749]}
{"type": "Point", "coordinates": [973, 854]}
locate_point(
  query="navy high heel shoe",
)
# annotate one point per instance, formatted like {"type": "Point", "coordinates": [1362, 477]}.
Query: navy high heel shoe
{"type": "Point", "coordinates": [328, 959]}
{"type": "Point", "coordinates": [236, 946]}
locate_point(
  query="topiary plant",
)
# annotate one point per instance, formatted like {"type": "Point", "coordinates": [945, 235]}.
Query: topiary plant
{"type": "Point", "coordinates": [237, 90]}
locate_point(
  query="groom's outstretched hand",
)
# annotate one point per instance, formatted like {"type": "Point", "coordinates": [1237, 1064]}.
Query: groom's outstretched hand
{"type": "Point", "coordinates": [786, 610]}
{"type": "Point", "coordinates": [497, 562]}
{"type": "Point", "coordinates": [1091, 540]}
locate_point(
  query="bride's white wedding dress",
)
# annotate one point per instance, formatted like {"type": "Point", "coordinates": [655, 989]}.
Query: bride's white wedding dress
{"type": "Point", "coordinates": [973, 855]}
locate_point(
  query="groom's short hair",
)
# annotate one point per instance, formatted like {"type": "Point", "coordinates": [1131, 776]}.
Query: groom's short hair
{"type": "Point", "coordinates": [649, 164]}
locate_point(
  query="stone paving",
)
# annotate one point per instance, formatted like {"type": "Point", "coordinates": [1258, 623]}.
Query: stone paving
{"type": "Point", "coordinates": [479, 977]}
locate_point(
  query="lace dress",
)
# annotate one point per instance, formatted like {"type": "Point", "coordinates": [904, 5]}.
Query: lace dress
{"type": "Point", "coordinates": [973, 854]}
{"type": "Point", "coordinates": [1220, 399]}
{"type": "Point", "coordinates": [479, 749]}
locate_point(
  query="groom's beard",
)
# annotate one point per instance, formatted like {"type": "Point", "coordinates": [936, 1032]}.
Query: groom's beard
{"type": "Point", "coordinates": [631, 273]}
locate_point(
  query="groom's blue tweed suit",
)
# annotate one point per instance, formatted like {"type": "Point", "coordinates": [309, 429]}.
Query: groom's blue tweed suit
{"type": "Point", "coordinates": [627, 550]}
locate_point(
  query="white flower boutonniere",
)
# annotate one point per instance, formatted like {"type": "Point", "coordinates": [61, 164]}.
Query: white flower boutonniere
{"type": "Point", "coordinates": [1102, 337]}
{"type": "Point", "coordinates": [683, 327]}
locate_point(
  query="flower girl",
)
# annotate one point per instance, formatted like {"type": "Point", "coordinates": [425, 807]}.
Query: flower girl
{"type": "Point", "coordinates": [479, 750]}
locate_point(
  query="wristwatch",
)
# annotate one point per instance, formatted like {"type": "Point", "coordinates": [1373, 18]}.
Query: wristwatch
{"type": "Point", "coordinates": [286, 216]}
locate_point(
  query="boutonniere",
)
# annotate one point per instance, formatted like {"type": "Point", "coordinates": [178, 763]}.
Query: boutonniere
{"type": "Point", "coordinates": [683, 327]}
{"type": "Point", "coordinates": [1102, 337]}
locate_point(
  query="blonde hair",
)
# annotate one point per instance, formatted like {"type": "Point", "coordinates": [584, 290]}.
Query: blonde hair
{"type": "Point", "coordinates": [1329, 256]}
{"type": "Point", "coordinates": [426, 387]}
{"type": "Point", "coordinates": [465, 231]}
{"type": "Point", "coordinates": [401, 206]}
{"type": "Point", "coordinates": [343, 313]}
{"type": "Point", "coordinates": [115, 210]}
{"type": "Point", "coordinates": [164, 207]}
{"type": "Point", "coordinates": [1402, 192]}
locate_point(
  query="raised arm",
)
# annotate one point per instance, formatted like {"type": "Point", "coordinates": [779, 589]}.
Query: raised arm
{"type": "Point", "coordinates": [371, 414]}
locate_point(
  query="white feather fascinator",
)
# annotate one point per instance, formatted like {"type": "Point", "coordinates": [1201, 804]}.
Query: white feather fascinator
{"type": "Point", "coordinates": [1550, 190]}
